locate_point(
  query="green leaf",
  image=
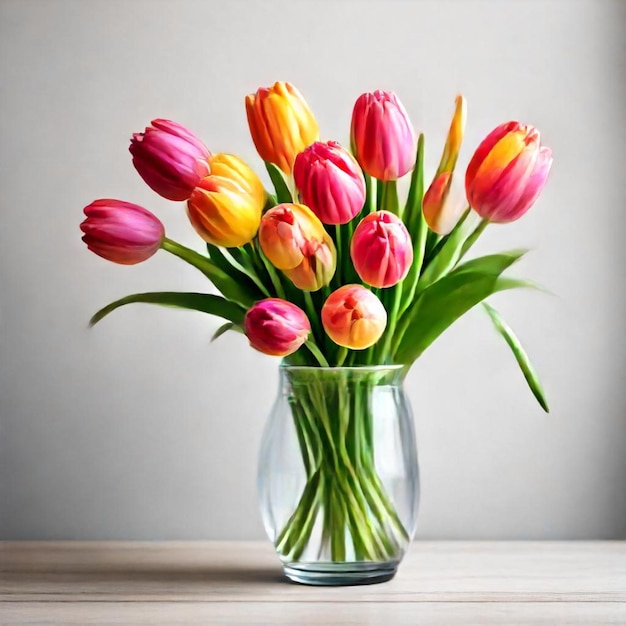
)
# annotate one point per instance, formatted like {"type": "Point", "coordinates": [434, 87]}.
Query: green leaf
{"type": "Point", "coordinates": [280, 185]}
{"type": "Point", "coordinates": [204, 302]}
{"type": "Point", "coordinates": [446, 255]}
{"type": "Point", "coordinates": [493, 264]}
{"type": "Point", "coordinates": [245, 277]}
{"type": "Point", "coordinates": [440, 305]}
{"type": "Point", "coordinates": [224, 328]}
{"type": "Point", "coordinates": [520, 355]}
{"type": "Point", "coordinates": [230, 289]}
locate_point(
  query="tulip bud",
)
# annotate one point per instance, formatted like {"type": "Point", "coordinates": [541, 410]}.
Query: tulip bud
{"type": "Point", "coordinates": [121, 232]}
{"type": "Point", "coordinates": [330, 182]}
{"type": "Point", "coordinates": [440, 211]}
{"type": "Point", "coordinates": [295, 241]}
{"type": "Point", "coordinates": [381, 249]}
{"type": "Point", "coordinates": [276, 327]}
{"type": "Point", "coordinates": [353, 317]}
{"type": "Point", "coordinates": [281, 124]}
{"type": "Point", "coordinates": [170, 159]}
{"type": "Point", "coordinates": [507, 172]}
{"type": "Point", "coordinates": [382, 135]}
{"type": "Point", "coordinates": [225, 207]}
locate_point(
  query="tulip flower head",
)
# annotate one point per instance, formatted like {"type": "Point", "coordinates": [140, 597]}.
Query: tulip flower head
{"type": "Point", "coordinates": [121, 232]}
{"type": "Point", "coordinates": [507, 172]}
{"type": "Point", "coordinates": [440, 211]}
{"type": "Point", "coordinates": [170, 159]}
{"type": "Point", "coordinates": [381, 249]}
{"type": "Point", "coordinates": [276, 327]}
{"type": "Point", "coordinates": [382, 136]}
{"type": "Point", "coordinates": [281, 124]}
{"type": "Point", "coordinates": [225, 207]}
{"type": "Point", "coordinates": [353, 317]}
{"type": "Point", "coordinates": [330, 182]}
{"type": "Point", "coordinates": [295, 241]}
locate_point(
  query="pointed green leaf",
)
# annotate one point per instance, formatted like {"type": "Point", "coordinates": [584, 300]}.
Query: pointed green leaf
{"type": "Point", "coordinates": [520, 355]}
{"type": "Point", "coordinates": [280, 184]}
{"type": "Point", "coordinates": [204, 302]}
{"type": "Point", "coordinates": [440, 305]}
{"type": "Point", "coordinates": [445, 256]}
{"type": "Point", "coordinates": [230, 289]}
{"type": "Point", "coordinates": [224, 328]}
{"type": "Point", "coordinates": [493, 264]}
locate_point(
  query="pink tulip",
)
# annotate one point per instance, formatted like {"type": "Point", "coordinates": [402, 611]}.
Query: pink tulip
{"type": "Point", "coordinates": [507, 172]}
{"type": "Point", "coordinates": [381, 249]}
{"type": "Point", "coordinates": [276, 327]}
{"type": "Point", "coordinates": [353, 317]}
{"type": "Point", "coordinates": [121, 232]}
{"type": "Point", "coordinates": [330, 182]}
{"type": "Point", "coordinates": [170, 159]}
{"type": "Point", "coordinates": [382, 135]}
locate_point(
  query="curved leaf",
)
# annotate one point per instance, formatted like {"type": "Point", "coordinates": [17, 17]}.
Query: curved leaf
{"type": "Point", "coordinates": [204, 302]}
{"type": "Point", "coordinates": [229, 288]}
{"type": "Point", "coordinates": [224, 328]}
{"type": "Point", "coordinates": [493, 264]}
{"type": "Point", "coordinates": [520, 355]}
{"type": "Point", "coordinates": [441, 304]}
{"type": "Point", "coordinates": [280, 185]}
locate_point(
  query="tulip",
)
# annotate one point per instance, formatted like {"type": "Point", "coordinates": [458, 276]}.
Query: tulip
{"type": "Point", "coordinates": [330, 182]}
{"type": "Point", "coordinates": [225, 207]}
{"type": "Point", "coordinates": [353, 317]}
{"type": "Point", "coordinates": [381, 249]}
{"type": "Point", "coordinates": [276, 327]}
{"type": "Point", "coordinates": [440, 211]}
{"type": "Point", "coordinates": [507, 172]}
{"type": "Point", "coordinates": [295, 241]}
{"type": "Point", "coordinates": [170, 159]}
{"type": "Point", "coordinates": [121, 232]}
{"type": "Point", "coordinates": [382, 136]}
{"type": "Point", "coordinates": [281, 124]}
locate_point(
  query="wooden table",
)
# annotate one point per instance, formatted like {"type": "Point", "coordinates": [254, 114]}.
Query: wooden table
{"type": "Point", "coordinates": [241, 583]}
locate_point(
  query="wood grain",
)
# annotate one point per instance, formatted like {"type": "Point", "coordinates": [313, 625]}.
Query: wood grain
{"type": "Point", "coordinates": [241, 583]}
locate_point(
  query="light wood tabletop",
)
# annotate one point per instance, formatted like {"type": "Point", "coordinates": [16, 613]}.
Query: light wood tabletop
{"type": "Point", "coordinates": [241, 583]}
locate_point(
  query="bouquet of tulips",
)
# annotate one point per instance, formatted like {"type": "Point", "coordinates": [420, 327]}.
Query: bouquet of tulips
{"type": "Point", "coordinates": [331, 267]}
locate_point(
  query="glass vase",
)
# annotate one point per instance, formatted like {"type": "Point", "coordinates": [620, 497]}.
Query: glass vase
{"type": "Point", "coordinates": [338, 476]}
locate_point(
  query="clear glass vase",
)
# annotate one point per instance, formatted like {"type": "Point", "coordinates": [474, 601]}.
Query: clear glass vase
{"type": "Point", "coordinates": [338, 476]}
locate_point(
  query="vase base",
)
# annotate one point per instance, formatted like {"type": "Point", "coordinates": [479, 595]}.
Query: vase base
{"type": "Point", "coordinates": [340, 574]}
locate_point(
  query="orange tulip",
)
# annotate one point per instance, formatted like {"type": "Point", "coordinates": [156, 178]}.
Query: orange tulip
{"type": "Point", "coordinates": [281, 124]}
{"type": "Point", "coordinates": [353, 317]}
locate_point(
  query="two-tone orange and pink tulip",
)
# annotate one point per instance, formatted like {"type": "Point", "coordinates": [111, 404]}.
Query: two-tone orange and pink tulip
{"type": "Point", "coordinates": [295, 241]}
{"type": "Point", "coordinates": [507, 172]}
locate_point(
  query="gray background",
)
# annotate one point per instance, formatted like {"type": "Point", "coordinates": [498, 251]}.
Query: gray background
{"type": "Point", "coordinates": [140, 428]}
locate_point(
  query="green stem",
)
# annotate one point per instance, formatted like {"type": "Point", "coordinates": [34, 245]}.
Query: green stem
{"type": "Point", "coordinates": [271, 270]}
{"type": "Point", "coordinates": [317, 353]}
{"type": "Point", "coordinates": [471, 240]}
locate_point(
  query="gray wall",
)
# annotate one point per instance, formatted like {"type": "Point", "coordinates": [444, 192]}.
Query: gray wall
{"type": "Point", "coordinates": [140, 428]}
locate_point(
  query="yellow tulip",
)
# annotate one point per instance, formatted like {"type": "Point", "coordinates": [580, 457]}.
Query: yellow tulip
{"type": "Point", "coordinates": [441, 212]}
{"type": "Point", "coordinates": [225, 207]}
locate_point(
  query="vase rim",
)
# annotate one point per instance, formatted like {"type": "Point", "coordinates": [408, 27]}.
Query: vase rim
{"type": "Point", "coordinates": [349, 368]}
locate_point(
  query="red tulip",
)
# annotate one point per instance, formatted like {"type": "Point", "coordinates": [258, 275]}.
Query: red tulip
{"type": "Point", "coordinates": [381, 249]}
{"type": "Point", "coordinates": [121, 232]}
{"type": "Point", "coordinates": [353, 317]}
{"type": "Point", "coordinates": [330, 182]}
{"type": "Point", "coordinates": [170, 159]}
{"type": "Point", "coordinates": [276, 327]}
{"type": "Point", "coordinates": [507, 172]}
{"type": "Point", "coordinates": [382, 135]}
